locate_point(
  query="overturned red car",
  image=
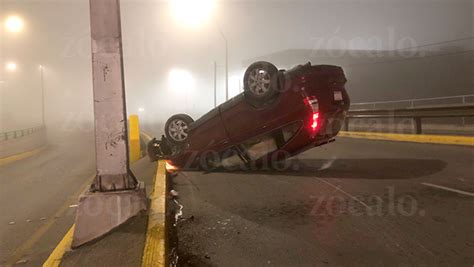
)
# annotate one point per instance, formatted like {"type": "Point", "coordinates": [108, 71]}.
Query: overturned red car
{"type": "Point", "coordinates": [280, 113]}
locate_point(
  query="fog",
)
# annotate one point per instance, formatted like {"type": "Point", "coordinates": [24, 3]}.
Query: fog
{"type": "Point", "coordinates": [56, 35]}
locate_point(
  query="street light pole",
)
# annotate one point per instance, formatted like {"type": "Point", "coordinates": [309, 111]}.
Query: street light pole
{"type": "Point", "coordinates": [226, 63]}
{"type": "Point", "coordinates": [42, 95]}
{"type": "Point", "coordinates": [226, 71]}
{"type": "Point", "coordinates": [215, 83]}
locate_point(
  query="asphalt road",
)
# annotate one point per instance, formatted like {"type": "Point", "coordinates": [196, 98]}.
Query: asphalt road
{"type": "Point", "coordinates": [36, 195]}
{"type": "Point", "coordinates": [353, 202]}
{"type": "Point", "coordinates": [38, 199]}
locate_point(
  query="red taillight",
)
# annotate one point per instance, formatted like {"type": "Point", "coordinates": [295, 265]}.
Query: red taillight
{"type": "Point", "coordinates": [315, 121]}
{"type": "Point", "coordinates": [312, 102]}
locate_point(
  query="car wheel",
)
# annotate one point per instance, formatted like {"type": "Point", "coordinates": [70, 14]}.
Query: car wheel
{"type": "Point", "coordinates": [260, 82]}
{"type": "Point", "coordinates": [177, 128]}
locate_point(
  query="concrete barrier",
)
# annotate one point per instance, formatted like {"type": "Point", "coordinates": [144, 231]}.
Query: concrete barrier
{"type": "Point", "coordinates": [134, 138]}
{"type": "Point", "coordinates": [25, 143]}
{"type": "Point", "coordinates": [414, 138]}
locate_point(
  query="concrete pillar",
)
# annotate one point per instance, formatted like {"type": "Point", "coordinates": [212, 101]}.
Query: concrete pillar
{"type": "Point", "coordinates": [109, 98]}
{"type": "Point", "coordinates": [115, 194]}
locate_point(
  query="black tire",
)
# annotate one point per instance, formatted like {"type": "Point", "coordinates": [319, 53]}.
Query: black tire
{"type": "Point", "coordinates": [177, 128]}
{"type": "Point", "coordinates": [261, 83]}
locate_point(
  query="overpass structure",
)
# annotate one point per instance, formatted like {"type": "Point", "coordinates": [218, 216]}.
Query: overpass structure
{"type": "Point", "coordinates": [355, 191]}
{"type": "Point", "coordinates": [332, 205]}
{"type": "Point", "coordinates": [352, 202]}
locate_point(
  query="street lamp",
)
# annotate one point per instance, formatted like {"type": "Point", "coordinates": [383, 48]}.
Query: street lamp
{"type": "Point", "coordinates": [14, 24]}
{"type": "Point", "coordinates": [193, 13]}
{"type": "Point", "coordinates": [11, 66]}
{"type": "Point", "coordinates": [181, 82]}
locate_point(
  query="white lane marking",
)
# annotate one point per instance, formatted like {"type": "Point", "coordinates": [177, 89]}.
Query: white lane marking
{"type": "Point", "coordinates": [328, 164]}
{"type": "Point", "coordinates": [344, 192]}
{"type": "Point", "coordinates": [449, 189]}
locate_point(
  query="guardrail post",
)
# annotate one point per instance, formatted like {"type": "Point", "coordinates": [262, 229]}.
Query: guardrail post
{"type": "Point", "coordinates": [418, 127]}
{"type": "Point", "coordinates": [115, 195]}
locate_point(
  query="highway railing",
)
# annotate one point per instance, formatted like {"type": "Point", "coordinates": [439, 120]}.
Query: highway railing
{"type": "Point", "coordinates": [416, 109]}
{"type": "Point", "coordinates": [413, 103]}
{"type": "Point", "coordinates": [19, 133]}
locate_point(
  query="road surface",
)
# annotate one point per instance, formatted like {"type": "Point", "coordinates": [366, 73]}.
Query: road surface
{"type": "Point", "coordinates": [38, 199]}
{"type": "Point", "coordinates": [36, 195]}
{"type": "Point", "coordinates": [352, 202]}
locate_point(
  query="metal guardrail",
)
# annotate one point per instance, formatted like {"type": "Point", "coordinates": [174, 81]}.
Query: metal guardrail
{"type": "Point", "coordinates": [20, 133]}
{"type": "Point", "coordinates": [460, 106]}
{"type": "Point", "coordinates": [413, 103]}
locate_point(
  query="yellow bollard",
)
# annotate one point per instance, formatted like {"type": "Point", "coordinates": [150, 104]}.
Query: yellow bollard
{"type": "Point", "coordinates": [134, 138]}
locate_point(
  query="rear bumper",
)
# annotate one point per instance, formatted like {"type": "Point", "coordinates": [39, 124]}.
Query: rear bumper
{"type": "Point", "coordinates": [331, 125]}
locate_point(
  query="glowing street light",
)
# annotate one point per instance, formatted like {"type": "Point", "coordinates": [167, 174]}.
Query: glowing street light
{"type": "Point", "coordinates": [192, 12]}
{"type": "Point", "coordinates": [180, 81]}
{"type": "Point", "coordinates": [11, 66]}
{"type": "Point", "coordinates": [14, 24]}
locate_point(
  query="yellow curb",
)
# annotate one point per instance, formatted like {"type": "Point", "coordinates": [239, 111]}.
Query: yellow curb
{"type": "Point", "coordinates": [54, 260]}
{"type": "Point", "coordinates": [416, 138]}
{"type": "Point", "coordinates": [134, 138]}
{"type": "Point", "coordinates": [24, 155]}
{"type": "Point", "coordinates": [154, 251]}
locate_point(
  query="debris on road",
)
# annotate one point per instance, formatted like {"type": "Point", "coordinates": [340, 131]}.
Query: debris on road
{"type": "Point", "coordinates": [11, 223]}
{"type": "Point", "coordinates": [174, 193]}
{"type": "Point", "coordinates": [22, 261]}
{"type": "Point", "coordinates": [178, 214]}
{"type": "Point", "coordinates": [191, 218]}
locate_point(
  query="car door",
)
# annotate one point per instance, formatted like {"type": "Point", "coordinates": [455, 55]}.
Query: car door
{"type": "Point", "coordinates": [242, 121]}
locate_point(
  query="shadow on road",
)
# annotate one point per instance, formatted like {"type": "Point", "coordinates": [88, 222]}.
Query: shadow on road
{"type": "Point", "coordinates": [351, 168]}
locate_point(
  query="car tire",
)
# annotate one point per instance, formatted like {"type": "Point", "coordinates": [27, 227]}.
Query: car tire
{"type": "Point", "coordinates": [261, 83]}
{"type": "Point", "coordinates": [177, 128]}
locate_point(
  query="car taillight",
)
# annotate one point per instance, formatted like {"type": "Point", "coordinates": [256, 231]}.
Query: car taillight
{"type": "Point", "coordinates": [315, 121]}
{"type": "Point", "coordinates": [312, 102]}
